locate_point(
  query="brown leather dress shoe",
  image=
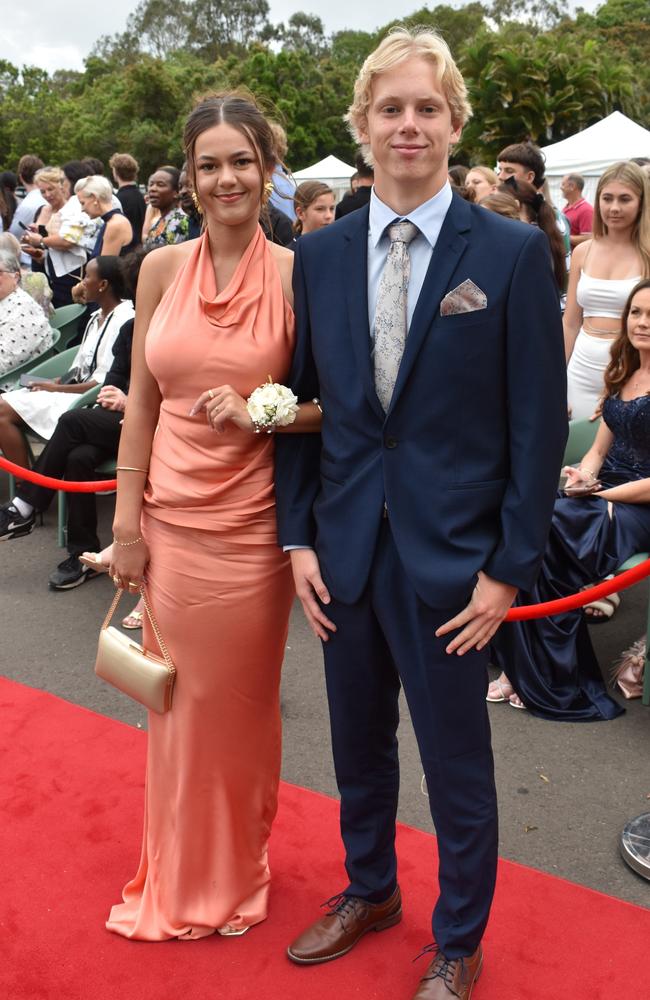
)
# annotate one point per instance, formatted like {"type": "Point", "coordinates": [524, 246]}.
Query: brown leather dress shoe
{"type": "Point", "coordinates": [450, 977]}
{"type": "Point", "coordinates": [347, 920]}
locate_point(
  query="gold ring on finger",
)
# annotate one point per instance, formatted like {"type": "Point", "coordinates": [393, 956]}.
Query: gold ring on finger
{"type": "Point", "coordinates": [116, 581]}
{"type": "Point", "coordinates": [211, 393]}
{"type": "Point", "coordinates": [133, 586]}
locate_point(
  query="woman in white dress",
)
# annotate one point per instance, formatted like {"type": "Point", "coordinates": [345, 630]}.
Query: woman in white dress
{"type": "Point", "coordinates": [39, 407]}
{"type": "Point", "coordinates": [24, 330]}
{"type": "Point", "coordinates": [604, 270]}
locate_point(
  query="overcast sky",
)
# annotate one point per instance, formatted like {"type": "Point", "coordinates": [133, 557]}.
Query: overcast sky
{"type": "Point", "coordinates": [59, 35]}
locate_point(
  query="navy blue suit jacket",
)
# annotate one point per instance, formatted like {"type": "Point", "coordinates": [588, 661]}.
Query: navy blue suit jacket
{"type": "Point", "coordinates": [468, 456]}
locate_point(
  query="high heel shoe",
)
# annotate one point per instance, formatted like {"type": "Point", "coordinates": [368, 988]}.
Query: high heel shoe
{"type": "Point", "coordinates": [228, 931]}
{"type": "Point", "coordinates": [94, 561]}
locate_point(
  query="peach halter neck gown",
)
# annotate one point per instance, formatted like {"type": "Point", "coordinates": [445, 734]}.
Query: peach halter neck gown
{"type": "Point", "coordinates": [221, 590]}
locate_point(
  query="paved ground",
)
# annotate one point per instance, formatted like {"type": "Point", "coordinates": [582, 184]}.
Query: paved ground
{"type": "Point", "coordinates": [565, 790]}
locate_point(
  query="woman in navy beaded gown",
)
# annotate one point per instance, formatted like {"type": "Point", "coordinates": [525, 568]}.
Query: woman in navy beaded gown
{"type": "Point", "coordinates": [548, 665]}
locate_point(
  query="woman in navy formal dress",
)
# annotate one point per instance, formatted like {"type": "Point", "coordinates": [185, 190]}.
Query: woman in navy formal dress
{"type": "Point", "coordinates": [601, 519]}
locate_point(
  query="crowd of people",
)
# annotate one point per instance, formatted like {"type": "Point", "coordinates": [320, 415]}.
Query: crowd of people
{"type": "Point", "coordinates": [415, 480]}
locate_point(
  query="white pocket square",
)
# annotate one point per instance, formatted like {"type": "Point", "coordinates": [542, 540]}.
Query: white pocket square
{"type": "Point", "coordinates": [466, 297]}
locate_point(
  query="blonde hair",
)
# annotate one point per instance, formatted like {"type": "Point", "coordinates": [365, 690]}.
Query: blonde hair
{"type": "Point", "coordinates": [486, 172]}
{"type": "Point", "coordinates": [502, 203]}
{"type": "Point", "coordinates": [95, 185]}
{"type": "Point", "coordinates": [634, 177]}
{"type": "Point", "coordinates": [398, 46]}
{"type": "Point", "coordinates": [49, 175]}
{"type": "Point", "coordinates": [279, 140]}
{"type": "Point", "coordinates": [9, 242]}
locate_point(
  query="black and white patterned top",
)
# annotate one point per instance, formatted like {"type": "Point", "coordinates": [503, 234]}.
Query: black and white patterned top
{"type": "Point", "coordinates": [24, 331]}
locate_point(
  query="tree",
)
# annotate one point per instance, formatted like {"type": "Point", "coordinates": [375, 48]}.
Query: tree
{"type": "Point", "coordinates": [539, 13]}
{"type": "Point", "coordinates": [352, 47]}
{"type": "Point", "coordinates": [218, 27]}
{"type": "Point", "coordinates": [544, 88]}
{"type": "Point", "coordinates": [162, 26]}
{"type": "Point", "coordinates": [458, 26]}
{"type": "Point", "coordinates": [304, 33]}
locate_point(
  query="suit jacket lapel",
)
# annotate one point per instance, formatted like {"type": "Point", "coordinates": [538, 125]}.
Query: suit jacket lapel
{"type": "Point", "coordinates": [446, 254]}
{"type": "Point", "coordinates": [356, 285]}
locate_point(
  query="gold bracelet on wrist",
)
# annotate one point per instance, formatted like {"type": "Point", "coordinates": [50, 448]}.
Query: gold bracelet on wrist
{"type": "Point", "coordinates": [130, 468]}
{"type": "Point", "coordinates": [133, 541]}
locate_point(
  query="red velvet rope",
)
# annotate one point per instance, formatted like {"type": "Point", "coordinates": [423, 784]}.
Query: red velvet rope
{"type": "Point", "coordinates": [66, 485]}
{"type": "Point", "coordinates": [557, 607]}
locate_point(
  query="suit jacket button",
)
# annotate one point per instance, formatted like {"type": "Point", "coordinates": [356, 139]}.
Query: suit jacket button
{"type": "Point", "coordinates": [391, 442]}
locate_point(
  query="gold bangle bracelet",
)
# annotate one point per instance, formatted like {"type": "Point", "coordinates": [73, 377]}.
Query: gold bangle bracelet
{"type": "Point", "coordinates": [130, 468]}
{"type": "Point", "coordinates": [133, 541]}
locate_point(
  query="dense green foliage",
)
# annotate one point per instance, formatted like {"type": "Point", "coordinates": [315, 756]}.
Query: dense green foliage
{"type": "Point", "coordinates": [531, 68]}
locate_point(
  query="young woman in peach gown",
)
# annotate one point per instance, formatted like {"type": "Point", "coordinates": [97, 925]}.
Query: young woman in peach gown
{"type": "Point", "coordinates": [195, 518]}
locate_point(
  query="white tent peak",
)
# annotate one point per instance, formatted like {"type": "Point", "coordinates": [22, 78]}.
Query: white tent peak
{"type": "Point", "coordinates": [330, 167]}
{"type": "Point", "coordinates": [597, 147]}
{"type": "Point", "coordinates": [613, 138]}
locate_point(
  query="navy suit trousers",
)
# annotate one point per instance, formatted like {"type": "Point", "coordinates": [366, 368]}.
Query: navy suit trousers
{"type": "Point", "coordinates": [384, 640]}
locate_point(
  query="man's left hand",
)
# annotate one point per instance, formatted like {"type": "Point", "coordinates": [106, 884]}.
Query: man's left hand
{"type": "Point", "coordinates": [478, 622]}
{"type": "Point", "coordinates": [112, 398]}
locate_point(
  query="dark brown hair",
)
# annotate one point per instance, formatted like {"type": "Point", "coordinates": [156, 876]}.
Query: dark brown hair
{"type": "Point", "coordinates": [625, 358]}
{"type": "Point", "coordinates": [238, 109]}
{"type": "Point", "coordinates": [539, 213]}
{"type": "Point", "coordinates": [527, 155]}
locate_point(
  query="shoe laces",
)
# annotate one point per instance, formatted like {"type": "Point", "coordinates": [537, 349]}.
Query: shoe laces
{"type": "Point", "coordinates": [340, 905]}
{"type": "Point", "coordinates": [443, 968]}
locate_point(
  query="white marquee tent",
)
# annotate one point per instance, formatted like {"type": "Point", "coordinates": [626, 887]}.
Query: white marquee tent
{"type": "Point", "coordinates": [594, 149]}
{"type": "Point", "coordinates": [331, 171]}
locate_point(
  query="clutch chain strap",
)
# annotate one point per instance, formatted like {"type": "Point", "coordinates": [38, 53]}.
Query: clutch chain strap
{"type": "Point", "coordinates": [150, 615]}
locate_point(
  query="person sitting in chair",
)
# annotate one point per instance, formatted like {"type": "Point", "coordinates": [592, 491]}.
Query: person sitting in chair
{"type": "Point", "coordinates": [82, 440]}
{"type": "Point", "coordinates": [38, 407]}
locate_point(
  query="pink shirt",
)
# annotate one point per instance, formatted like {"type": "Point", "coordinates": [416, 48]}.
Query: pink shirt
{"type": "Point", "coordinates": [580, 215]}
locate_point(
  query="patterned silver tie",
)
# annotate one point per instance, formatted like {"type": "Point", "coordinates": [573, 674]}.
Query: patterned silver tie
{"type": "Point", "coordinates": [390, 314]}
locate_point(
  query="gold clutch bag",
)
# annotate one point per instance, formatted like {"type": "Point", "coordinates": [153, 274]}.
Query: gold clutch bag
{"type": "Point", "coordinates": [145, 677]}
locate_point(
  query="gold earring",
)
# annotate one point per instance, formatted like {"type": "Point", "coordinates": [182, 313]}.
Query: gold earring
{"type": "Point", "coordinates": [197, 203]}
{"type": "Point", "coordinates": [268, 191]}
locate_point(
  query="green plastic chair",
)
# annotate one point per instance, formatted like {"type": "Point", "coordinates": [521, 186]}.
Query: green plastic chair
{"type": "Point", "coordinates": [57, 365]}
{"type": "Point", "coordinates": [581, 438]}
{"type": "Point", "coordinates": [13, 375]}
{"type": "Point", "coordinates": [66, 321]}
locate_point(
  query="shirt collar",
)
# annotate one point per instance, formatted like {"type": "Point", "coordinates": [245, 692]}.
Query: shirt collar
{"type": "Point", "coordinates": [428, 217]}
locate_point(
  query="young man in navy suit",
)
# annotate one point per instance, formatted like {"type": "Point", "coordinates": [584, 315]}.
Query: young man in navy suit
{"type": "Point", "coordinates": [429, 329]}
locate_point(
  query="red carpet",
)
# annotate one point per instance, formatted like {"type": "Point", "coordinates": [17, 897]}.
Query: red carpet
{"type": "Point", "coordinates": [70, 828]}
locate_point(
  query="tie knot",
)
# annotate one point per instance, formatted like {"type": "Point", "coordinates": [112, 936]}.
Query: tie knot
{"type": "Point", "coordinates": [402, 232]}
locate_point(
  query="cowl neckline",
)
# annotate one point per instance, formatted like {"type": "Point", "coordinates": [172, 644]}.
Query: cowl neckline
{"type": "Point", "coordinates": [245, 288]}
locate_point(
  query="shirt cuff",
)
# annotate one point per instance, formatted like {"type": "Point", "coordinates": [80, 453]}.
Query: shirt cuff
{"type": "Point", "coordinates": [292, 548]}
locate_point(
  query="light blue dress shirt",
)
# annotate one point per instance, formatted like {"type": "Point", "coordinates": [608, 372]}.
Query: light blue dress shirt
{"type": "Point", "coordinates": [284, 189]}
{"type": "Point", "coordinates": [429, 218]}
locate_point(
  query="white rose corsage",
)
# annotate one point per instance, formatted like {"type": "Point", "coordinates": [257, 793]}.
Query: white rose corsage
{"type": "Point", "coordinates": [272, 405]}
